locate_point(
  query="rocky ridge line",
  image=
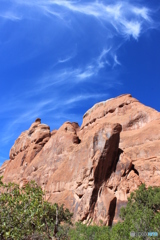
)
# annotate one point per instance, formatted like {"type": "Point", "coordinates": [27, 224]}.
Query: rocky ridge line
{"type": "Point", "coordinates": [92, 169]}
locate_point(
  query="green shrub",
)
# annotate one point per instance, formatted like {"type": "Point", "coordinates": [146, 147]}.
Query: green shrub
{"type": "Point", "coordinates": [83, 232]}
{"type": "Point", "coordinates": [25, 215]}
{"type": "Point", "coordinates": [142, 214]}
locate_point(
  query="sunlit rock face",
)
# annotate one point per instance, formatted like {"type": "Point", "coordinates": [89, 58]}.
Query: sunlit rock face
{"type": "Point", "coordinates": [91, 169]}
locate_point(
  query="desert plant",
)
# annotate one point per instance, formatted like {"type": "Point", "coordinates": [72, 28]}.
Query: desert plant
{"type": "Point", "coordinates": [25, 215]}
{"type": "Point", "coordinates": [141, 215]}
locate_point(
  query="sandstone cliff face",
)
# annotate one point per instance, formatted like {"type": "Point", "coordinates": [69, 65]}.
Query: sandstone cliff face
{"type": "Point", "coordinates": [93, 168]}
{"type": "Point", "coordinates": [25, 148]}
{"type": "Point", "coordinates": [3, 167]}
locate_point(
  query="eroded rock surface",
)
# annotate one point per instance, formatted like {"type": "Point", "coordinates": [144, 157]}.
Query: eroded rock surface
{"type": "Point", "coordinates": [92, 169]}
{"type": "Point", "coordinates": [25, 148]}
{"type": "Point", "coordinates": [3, 167]}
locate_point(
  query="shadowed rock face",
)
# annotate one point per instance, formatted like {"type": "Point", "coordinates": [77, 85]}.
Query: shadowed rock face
{"type": "Point", "coordinates": [93, 168]}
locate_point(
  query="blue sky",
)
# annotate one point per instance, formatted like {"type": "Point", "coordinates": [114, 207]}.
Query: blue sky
{"type": "Point", "coordinates": [59, 57]}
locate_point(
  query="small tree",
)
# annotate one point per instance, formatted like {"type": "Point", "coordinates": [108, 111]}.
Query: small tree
{"type": "Point", "coordinates": [142, 214]}
{"type": "Point", "coordinates": [25, 215]}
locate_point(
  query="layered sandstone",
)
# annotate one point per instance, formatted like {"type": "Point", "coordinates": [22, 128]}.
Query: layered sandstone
{"type": "Point", "coordinates": [93, 168]}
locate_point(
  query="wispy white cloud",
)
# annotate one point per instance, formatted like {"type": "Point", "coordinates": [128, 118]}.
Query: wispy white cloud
{"type": "Point", "coordinates": [116, 62]}
{"type": "Point", "coordinates": [83, 97]}
{"type": "Point", "coordinates": [64, 60]}
{"type": "Point", "coordinates": [118, 14]}
{"type": "Point", "coordinates": [33, 111]}
{"type": "Point", "coordinates": [8, 15]}
{"type": "Point", "coordinates": [102, 59]}
{"type": "Point", "coordinates": [128, 19]}
{"type": "Point", "coordinates": [78, 75]}
{"type": "Point", "coordinates": [63, 77]}
{"type": "Point", "coordinates": [131, 28]}
{"type": "Point", "coordinates": [143, 12]}
{"type": "Point", "coordinates": [82, 75]}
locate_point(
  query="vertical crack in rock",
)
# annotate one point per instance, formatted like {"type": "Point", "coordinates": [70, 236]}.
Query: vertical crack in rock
{"type": "Point", "coordinates": [106, 165]}
{"type": "Point", "coordinates": [112, 209]}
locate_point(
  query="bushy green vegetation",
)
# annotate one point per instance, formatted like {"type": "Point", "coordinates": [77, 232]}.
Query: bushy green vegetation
{"type": "Point", "coordinates": [141, 215]}
{"type": "Point", "coordinates": [83, 232]}
{"type": "Point", "coordinates": [25, 215]}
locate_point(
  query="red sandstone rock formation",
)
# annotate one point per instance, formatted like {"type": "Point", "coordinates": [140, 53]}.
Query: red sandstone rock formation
{"type": "Point", "coordinates": [3, 167]}
{"type": "Point", "coordinates": [91, 169]}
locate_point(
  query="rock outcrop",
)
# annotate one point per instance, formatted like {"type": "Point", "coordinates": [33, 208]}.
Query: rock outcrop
{"type": "Point", "coordinates": [25, 148]}
{"type": "Point", "coordinates": [3, 167]}
{"type": "Point", "coordinates": [92, 169]}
